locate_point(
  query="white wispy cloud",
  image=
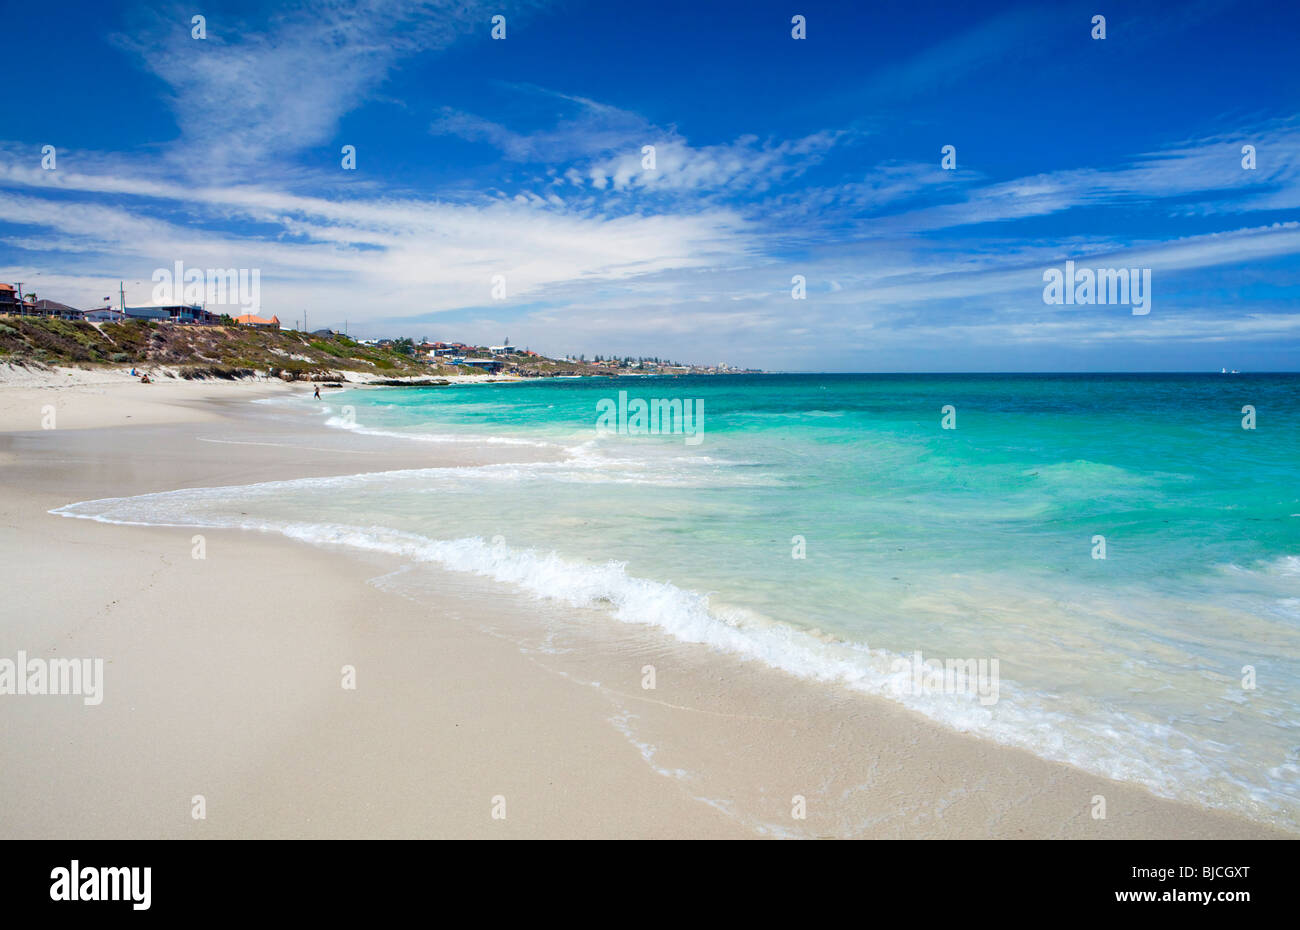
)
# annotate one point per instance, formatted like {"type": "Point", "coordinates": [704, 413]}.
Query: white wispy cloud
{"type": "Point", "coordinates": [604, 147]}
{"type": "Point", "coordinates": [248, 93]}
{"type": "Point", "coordinates": [582, 128]}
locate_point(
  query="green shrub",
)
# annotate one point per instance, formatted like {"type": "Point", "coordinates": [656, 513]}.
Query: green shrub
{"type": "Point", "coordinates": [330, 349]}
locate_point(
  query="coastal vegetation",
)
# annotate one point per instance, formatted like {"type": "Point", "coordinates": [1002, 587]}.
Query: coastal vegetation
{"type": "Point", "coordinates": [221, 351]}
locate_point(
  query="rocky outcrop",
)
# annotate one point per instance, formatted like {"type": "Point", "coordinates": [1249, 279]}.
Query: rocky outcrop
{"type": "Point", "coordinates": [413, 382]}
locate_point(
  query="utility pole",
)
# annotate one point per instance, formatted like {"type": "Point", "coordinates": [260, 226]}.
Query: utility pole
{"type": "Point", "coordinates": [121, 291]}
{"type": "Point", "coordinates": [21, 311]}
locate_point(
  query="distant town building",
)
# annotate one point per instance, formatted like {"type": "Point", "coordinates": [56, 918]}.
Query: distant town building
{"type": "Point", "coordinates": [174, 313]}
{"type": "Point", "coordinates": [487, 364]}
{"type": "Point", "coordinates": [152, 314]}
{"type": "Point", "coordinates": [187, 313]}
{"type": "Point", "coordinates": [103, 315]}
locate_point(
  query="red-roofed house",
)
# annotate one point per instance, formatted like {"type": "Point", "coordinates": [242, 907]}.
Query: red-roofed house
{"type": "Point", "coordinates": [8, 299]}
{"type": "Point", "coordinates": [249, 320]}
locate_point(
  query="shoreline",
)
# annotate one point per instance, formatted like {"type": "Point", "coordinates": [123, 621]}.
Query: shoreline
{"type": "Point", "coordinates": [481, 693]}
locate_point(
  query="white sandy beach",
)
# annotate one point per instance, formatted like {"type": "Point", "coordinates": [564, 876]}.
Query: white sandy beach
{"type": "Point", "coordinates": [223, 676]}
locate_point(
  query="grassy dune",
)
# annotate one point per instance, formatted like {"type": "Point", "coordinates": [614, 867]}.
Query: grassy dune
{"type": "Point", "coordinates": [213, 351]}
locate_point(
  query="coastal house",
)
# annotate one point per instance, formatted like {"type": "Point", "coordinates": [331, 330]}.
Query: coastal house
{"type": "Point", "coordinates": [9, 302]}
{"type": "Point", "coordinates": [492, 365]}
{"type": "Point", "coordinates": [258, 322]}
{"type": "Point", "coordinates": [55, 309]}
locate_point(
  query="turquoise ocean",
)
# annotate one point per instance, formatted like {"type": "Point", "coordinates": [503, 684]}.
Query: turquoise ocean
{"type": "Point", "coordinates": [828, 525]}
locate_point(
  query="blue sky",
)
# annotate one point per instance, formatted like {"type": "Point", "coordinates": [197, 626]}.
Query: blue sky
{"type": "Point", "coordinates": [774, 157]}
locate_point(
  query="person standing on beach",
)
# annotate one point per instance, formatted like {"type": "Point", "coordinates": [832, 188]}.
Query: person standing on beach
{"type": "Point", "coordinates": [317, 395]}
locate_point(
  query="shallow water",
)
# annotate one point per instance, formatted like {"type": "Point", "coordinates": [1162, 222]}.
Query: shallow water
{"type": "Point", "coordinates": [977, 542]}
